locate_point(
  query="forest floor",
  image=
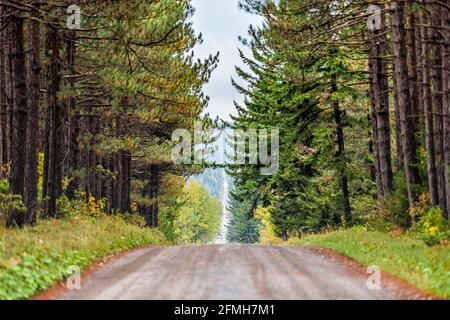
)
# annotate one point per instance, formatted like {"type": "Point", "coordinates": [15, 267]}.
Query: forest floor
{"type": "Point", "coordinates": [425, 267]}
{"type": "Point", "coordinates": [235, 272]}
{"type": "Point", "coordinates": [34, 259]}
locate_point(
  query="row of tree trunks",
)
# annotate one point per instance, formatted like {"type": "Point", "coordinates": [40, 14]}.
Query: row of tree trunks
{"type": "Point", "coordinates": [32, 90]}
{"type": "Point", "coordinates": [405, 112]}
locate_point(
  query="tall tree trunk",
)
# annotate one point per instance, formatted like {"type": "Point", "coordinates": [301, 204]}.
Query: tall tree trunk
{"type": "Point", "coordinates": [46, 147]}
{"type": "Point", "coordinates": [380, 103]}
{"type": "Point", "coordinates": [145, 210]}
{"type": "Point", "coordinates": [72, 151]}
{"type": "Point", "coordinates": [419, 71]}
{"type": "Point", "coordinates": [428, 107]}
{"type": "Point", "coordinates": [412, 66]}
{"type": "Point", "coordinates": [404, 101]}
{"type": "Point", "coordinates": [438, 96]}
{"type": "Point", "coordinates": [446, 103]}
{"type": "Point", "coordinates": [9, 87]}
{"type": "Point", "coordinates": [3, 94]}
{"type": "Point", "coordinates": [343, 181]}
{"type": "Point", "coordinates": [123, 181]}
{"type": "Point", "coordinates": [110, 191]}
{"type": "Point", "coordinates": [91, 155]}
{"type": "Point", "coordinates": [154, 191]}
{"type": "Point", "coordinates": [398, 128]}
{"type": "Point", "coordinates": [373, 147]}
{"type": "Point", "coordinates": [19, 118]}
{"type": "Point", "coordinates": [127, 182]}
{"type": "Point", "coordinates": [54, 152]}
{"type": "Point", "coordinates": [31, 175]}
{"type": "Point", "coordinates": [118, 186]}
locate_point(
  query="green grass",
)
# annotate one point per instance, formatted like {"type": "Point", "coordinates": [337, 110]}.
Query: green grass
{"type": "Point", "coordinates": [33, 259]}
{"type": "Point", "coordinates": [427, 268]}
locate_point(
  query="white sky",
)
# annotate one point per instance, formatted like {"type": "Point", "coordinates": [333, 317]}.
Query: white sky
{"type": "Point", "coordinates": [221, 22]}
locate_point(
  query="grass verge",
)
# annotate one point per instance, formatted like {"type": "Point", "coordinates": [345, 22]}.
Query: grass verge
{"type": "Point", "coordinates": [33, 259]}
{"type": "Point", "coordinates": [425, 267]}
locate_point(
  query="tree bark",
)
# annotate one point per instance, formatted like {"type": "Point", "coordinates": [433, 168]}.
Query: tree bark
{"type": "Point", "coordinates": [154, 192]}
{"type": "Point", "coordinates": [343, 181]}
{"type": "Point", "coordinates": [446, 104]}
{"type": "Point", "coordinates": [3, 102]}
{"type": "Point", "coordinates": [31, 176]}
{"type": "Point", "coordinates": [412, 66]}
{"type": "Point", "coordinates": [380, 97]}
{"type": "Point", "coordinates": [404, 101]}
{"type": "Point", "coordinates": [19, 129]}
{"type": "Point", "coordinates": [145, 210]}
{"type": "Point", "coordinates": [438, 97]}
{"type": "Point", "coordinates": [72, 132]}
{"type": "Point", "coordinates": [420, 139]}
{"type": "Point", "coordinates": [118, 186]}
{"type": "Point", "coordinates": [373, 147]}
{"type": "Point", "coordinates": [9, 87]}
{"type": "Point", "coordinates": [428, 107]}
{"type": "Point", "coordinates": [54, 152]}
{"type": "Point", "coordinates": [123, 182]}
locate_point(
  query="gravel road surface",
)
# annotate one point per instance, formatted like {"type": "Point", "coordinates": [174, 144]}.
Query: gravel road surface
{"type": "Point", "coordinates": [230, 272]}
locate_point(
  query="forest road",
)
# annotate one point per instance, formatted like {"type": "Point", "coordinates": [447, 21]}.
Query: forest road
{"type": "Point", "coordinates": [232, 272]}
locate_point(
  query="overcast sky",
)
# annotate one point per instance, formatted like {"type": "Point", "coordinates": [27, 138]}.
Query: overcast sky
{"type": "Point", "coordinates": [221, 22]}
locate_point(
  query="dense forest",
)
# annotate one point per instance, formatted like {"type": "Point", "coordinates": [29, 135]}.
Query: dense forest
{"type": "Point", "coordinates": [360, 93]}
{"type": "Point", "coordinates": [91, 92]}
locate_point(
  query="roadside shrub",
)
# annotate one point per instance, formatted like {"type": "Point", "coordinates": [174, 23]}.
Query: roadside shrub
{"type": "Point", "coordinates": [133, 219]}
{"type": "Point", "coordinates": [395, 206]}
{"type": "Point", "coordinates": [8, 201]}
{"type": "Point", "coordinates": [69, 208]}
{"type": "Point", "coordinates": [431, 226]}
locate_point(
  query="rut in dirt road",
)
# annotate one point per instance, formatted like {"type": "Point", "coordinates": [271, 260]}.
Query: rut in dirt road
{"type": "Point", "coordinates": [230, 272]}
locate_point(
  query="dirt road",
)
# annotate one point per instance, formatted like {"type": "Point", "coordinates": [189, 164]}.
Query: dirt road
{"type": "Point", "coordinates": [232, 272]}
